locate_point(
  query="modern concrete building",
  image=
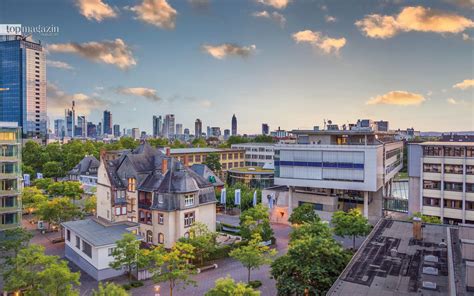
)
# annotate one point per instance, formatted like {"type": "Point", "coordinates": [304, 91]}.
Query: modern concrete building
{"type": "Point", "coordinates": [265, 129]}
{"type": "Point", "coordinates": [254, 177]}
{"type": "Point", "coordinates": [107, 123]}
{"type": "Point", "coordinates": [10, 175]}
{"type": "Point", "coordinates": [157, 126]}
{"type": "Point", "coordinates": [234, 125]}
{"type": "Point", "coordinates": [258, 154]}
{"type": "Point", "coordinates": [441, 180]}
{"type": "Point", "coordinates": [198, 128]}
{"type": "Point", "coordinates": [339, 169]}
{"type": "Point", "coordinates": [23, 78]}
{"type": "Point", "coordinates": [157, 191]}
{"type": "Point", "coordinates": [89, 244]}
{"type": "Point", "coordinates": [168, 126]}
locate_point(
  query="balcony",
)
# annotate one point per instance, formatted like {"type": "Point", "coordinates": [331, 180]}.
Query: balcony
{"type": "Point", "coordinates": [9, 209]}
{"type": "Point", "coordinates": [8, 226]}
{"type": "Point", "coordinates": [8, 175]}
{"type": "Point", "coordinates": [8, 192]}
{"type": "Point", "coordinates": [9, 158]}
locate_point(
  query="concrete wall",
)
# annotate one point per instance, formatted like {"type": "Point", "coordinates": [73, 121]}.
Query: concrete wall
{"type": "Point", "coordinates": [104, 204]}
{"type": "Point", "coordinates": [414, 204]}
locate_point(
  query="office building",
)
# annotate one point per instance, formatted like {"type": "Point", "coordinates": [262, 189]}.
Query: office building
{"type": "Point", "coordinates": [59, 128]}
{"type": "Point", "coordinates": [198, 128]}
{"type": "Point", "coordinates": [107, 123]}
{"type": "Point", "coordinates": [441, 180]}
{"type": "Point", "coordinates": [91, 130]}
{"type": "Point", "coordinates": [10, 175]}
{"type": "Point", "coordinates": [23, 76]}
{"type": "Point", "coordinates": [265, 129]}
{"type": "Point", "coordinates": [70, 118]}
{"type": "Point", "coordinates": [409, 258]}
{"type": "Point", "coordinates": [338, 170]}
{"type": "Point", "coordinates": [99, 129]}
{"type": "Point", "coordinates": [226, 133]}
{"type": "Point", "coordinates": [81, 127]}
{"type": "Point", "coordinates": [116, 130]}
{"type": "Point", "coordinates": [157, 126]}
{"type": "Point", "coordinates": [179, 129]}
{"type": "Point", "coordinates": [187, 132]}
{"type": "Point", "coordinates": [215, 131]}
{"type": "Point", "coordinates": [168, 126]}
{"type": "Point", "coordinates": [382, 125]}
{"type": "Point", "coordinates": [258, 154]}
{"type": "Point", "coordinates": [135, 133]}
{"type": "Point", "coordinates": [234, 125]}
{"type": "Point", "coordinates": [208, 132]}
{"type": "Point", "coordinates": [157, 191]}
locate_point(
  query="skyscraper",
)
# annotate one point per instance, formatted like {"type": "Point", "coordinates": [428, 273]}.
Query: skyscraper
{"type": "Point", "coordinates": [198, 128]}
{"type": "Point", "coordinates": [208, 131]}
{"type": "Point", "coordinates": [265, 129]}
{"type": "Point", "coordinates": [60, 128]}
{"type": "Point", "coordinates": [81, 127]}
{"type": "Point", "coordinates": [234, 125]}
{"type": "Point", "coordinates": [157, 126]}
{"type": "Point", "coordinates": [107, 126]}
{"type": "Point", "coordinates": [179, 129]}
{"type": "Point", "coordinates": [91, 130]}
{"type": "Point", "coordinates": [168, 126]}
{"type": "Point", "coordinates": [116, 130]}
{"type": "Point", "coordinates": [70, 118]}
{"type": "Point", "coordinates": [23, 76]}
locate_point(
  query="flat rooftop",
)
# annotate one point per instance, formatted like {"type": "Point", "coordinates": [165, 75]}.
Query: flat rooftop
{"type": "Point", "coordinates": [465, 144]}
{"type": "Point", "coordinates": [392, 262]}
{"type": "Point", "coordinates": [198, 150]}
{"type": "Point", "coordinates": [341, 132]}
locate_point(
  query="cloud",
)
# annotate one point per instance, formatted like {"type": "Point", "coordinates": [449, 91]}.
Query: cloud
{"type": "Point", "coordinates": [275, 16]}
{"type": "Point", "coordinates": [59, 65]}
{"type": "Point", "coordinates": [402, 98]}
{"type": "Point", "coordinates": [95, 10]}
{"type": "Point", "coordinates": [465, 84]}
{"type": "Point", "coordinates": [199, 4]}
{"type": "Point", "coordinates": [413, 18]}
{"type": "Point", "coordinates": [228, 49]}
{"type": "Point", "coordinates": [466, 37]}
{"type": "Point", "coordinates": [148, 93]}
{"type": "Point", "coordinates": [58, 100]}
{"type": "Point", "coordinates": [115, 52]}
{"type": "Point", "coordinates": [277, 4]}
{"type": "Point", "coordinates": [324, 43]}
{"type": "Point", "coordinates": [157, 13]}
{"type": "Point", "coordinates": [330, 19]}
{"type": "Point", "coordinates": [462, 3]}
{"type": "Point", "coordinates": [205, 103]}
{"type": "Point", "coordinates": [452, 101]}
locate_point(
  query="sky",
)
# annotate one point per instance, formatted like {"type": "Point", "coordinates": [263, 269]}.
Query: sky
{"type": "Point", "coordinates": [289, 63]}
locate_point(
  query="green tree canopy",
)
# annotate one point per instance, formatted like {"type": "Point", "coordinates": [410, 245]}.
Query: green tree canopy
{"type": "Point", "coordinates": [313, 229]}
{"type": "Point", "coordinates": [57, 210]}
{"type": "Point", "coordinates": [351, 223]}
{"type": "Point", "coordinates": [53, 169]}
{"type": "Point", "coordinates": [253, 255]}
{"type": "Point", "coordinates": [304, 213]}
{"type": "Point", "coordinates": [426, 219]}
{"type": "Point", "coordinates": [90, 205]}
{"type": "Point", "coordinates": [109, 289]}
{"type": "Point", "coordinates": [228, 287]}
{"type": "Point", "coordinates": [213, 162]}
{"type": "Point", "coordinates": [199, 142]}
{"type": "Point", "coordinates": [12, 241]}
{"type": "Point", "coordinates": [203, 241]}
{"type": "Point", "coordinates": [256, 220]}
{"type": "Point", "coordinates": [43, 184]}
{"type": "Point", "coordinates": [128, 254]}
{"type": "Point", "coordinates": [31, 198]}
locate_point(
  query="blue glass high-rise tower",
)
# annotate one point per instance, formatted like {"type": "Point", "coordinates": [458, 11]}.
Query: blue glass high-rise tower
{"type": "Point", "coordinates": [23, 80]}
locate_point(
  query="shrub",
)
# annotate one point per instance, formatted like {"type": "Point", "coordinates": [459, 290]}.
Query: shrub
{"type": "Point", "coordinates": [255, 284]}
{"type": "Point", "coordinates": [126, 286]}
{"type": "Point", "coordinates": [136, 284]}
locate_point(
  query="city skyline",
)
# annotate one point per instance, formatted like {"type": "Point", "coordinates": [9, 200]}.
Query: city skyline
{"type": "Point", "coordinates": [337, 60]}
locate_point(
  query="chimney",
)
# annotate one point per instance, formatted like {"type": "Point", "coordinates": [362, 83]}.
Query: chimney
{"type": "Point", "coordinates": [168, 151]}
{"type": "Point", "coordinates": [164, 165]}
{"type": "Point", "coordinates": [417, 230]}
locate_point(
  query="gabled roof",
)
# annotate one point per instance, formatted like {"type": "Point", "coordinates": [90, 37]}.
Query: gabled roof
{"type": "Point", "coordinates": [85, 165]}
{"type": "Point", "coordinates": [180, 179]}
{"type": "Point", "coordinates": [205, 172]}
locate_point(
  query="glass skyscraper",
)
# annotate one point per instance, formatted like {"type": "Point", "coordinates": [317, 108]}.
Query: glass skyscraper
{"type": "Point", "coordinates": [23, 80]}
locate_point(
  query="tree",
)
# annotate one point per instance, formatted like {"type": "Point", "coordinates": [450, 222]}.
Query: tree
{"type": "Point", "coordinates": [314, 229]}
{"type": "Point", "coordinates": [312, 264]}
{"type": "Point", "coordinates": [213, 162]}
{"type": "Point", "coordinates": [199, 142]}
{"type": "Point", "coordinates": [90, 204]}
{"type": "Point", "coordinates": [351, 223]}
{"type": "Point", "coordinates": [304, 213]}
{"type": "Point", "coordinates": [53, 169]}
{"type": "Point", "coordinates": [128, 143]}
{"type": "Point", "coordinates": [157, 142]}
{"type": "Point", "coordinates": [427, 219]}
{"type": "Point", "coordinates": [110, 289]}
{"type": "Point", "coordinates": [256, 220]}
{"type": "Point", "coordinates": [31, 198]}
{"type": "Point", "coordinates": [128, 254]}
{"type": "Point", "coordinates": [43, 184]}
{"type": "Point", "coordinates": [57, 210]}
{"type": "Point", "coordinates": [228, 287]}
{"type": "Point", "coordinates": [203, 241]}
{"type": "Point", "coordinates": [173, 266]}
{"type": "Point", "coordinates": [13, 240]}
{"type": "Point", "coordinates": [38, 274]}
{"type": "Point", "coordinates": [253, 255]}
{"type": "Point", "coordinates": [71, 189]}
{"type": "Point", "coordinates": [33, 156]}
{"type": "Point", "coordinates": [263, 139]}
{"type": "Point", "coordinates": [246, 195]}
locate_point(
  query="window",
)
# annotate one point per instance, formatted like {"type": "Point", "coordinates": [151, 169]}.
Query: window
{"type": "Point", "coordinates": [190, 158]}
{"type": "Point", "coordinates": [452, 186]}
{"type": "Point", "coordinates": [453, 169]}
{"type": "Point", "coordinates": [230, 156]}
{"type": "Point", "coordinates": [160, 199]}
{"type": "Point", "coordinates": [197, 158]}
{"type": "Point", "coordinates": [224, 156]}
{"type": "Point", "coordinates": [188, 219]}
{"type": "Point", "coordinates": [452, 204]}
{"type": "Point", "coordinates": [432, 151]}
{"type": "Point", "coordinates": [236, 164]}
{"type": "Point", "coordinates": [189, 200]}
{"type": "Point", "coordinates": [68, 235]}
{"type": "Point", "coordinates": [161, 218]}
{"type": "Point", "coordinates": [78, 242]}
{"type": "Point", "coordinates": [427, 184]}
{"type": "Point", "coordinates": [141, 216]}
{"type": "Point", "coordinates": [124, 210]}
{"type": "Point", "coordinates": [161, 238]}
{"type": "Point", "coordinates": [469, 151]}
{"type": "Point", "coordinates": [117, 211]}
{"type": "Point", "coordinates": [454, 151]}
{"type": "Point", "coordinates": [131, 184]}
{"type": "Point", "coordinates": [432, 202]}
{"type": "Point", "coordinates": [431, 168]}
{"type": "Point", "coordinates": [149, 236]}
{"type": "Point", "coordinates": [470, 170]}
{"type": "Point", "coordinates": [87, 249]}
{"type": "Point", "coordinates": [469, 205]}
{"type": "Point", "coordinates": [224, 166]}
{"type": "Point", "coordinates": [236, 155]}
{"type": "Point", "coordinates": [110, 251]}
{"type": "Point", "coordinates": [469, 187]}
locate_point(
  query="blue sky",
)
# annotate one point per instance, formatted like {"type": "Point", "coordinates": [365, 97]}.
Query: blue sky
{"type": "Point", "coordinates": [409, 62]}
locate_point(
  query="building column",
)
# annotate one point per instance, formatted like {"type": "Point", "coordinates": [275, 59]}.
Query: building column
{"type": "Point", "coordinates": [366, 204]}
{"type": "Point", "coordinates": [290, 200]}
{"type": "Point", "coordinates": [442, 192]}
{"type": "Point", "coordinates": [464, 170]}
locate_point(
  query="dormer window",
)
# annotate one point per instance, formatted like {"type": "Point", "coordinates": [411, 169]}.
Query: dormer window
{"type": "Point", "coordinates": [188, 200]}
{"type": "Point", "coordinates": [132, 184]}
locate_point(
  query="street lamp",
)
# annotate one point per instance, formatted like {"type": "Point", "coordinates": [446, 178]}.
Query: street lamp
{"type": "Point", "coordinates": [157, 290]}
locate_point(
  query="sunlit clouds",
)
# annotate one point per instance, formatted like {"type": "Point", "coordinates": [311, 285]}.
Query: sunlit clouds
{"type": "Point", "coordinates": [228, 49]}
{"type": "Point", "coordinates": [274, 16]}
{"type": "Point", "coordinates": [147, 93]}
{"type": "Point", "coordinates": [465, 84]}
{"type": "Point", "coordinates": [157, 13]}
{"type": "Point", "coordinates": [411, 18]}
{"type": "Point", "coordinates": [402, 98]}
{"type": "Point", "coordinates": [58, 100]}
{"type": "Point", "coordinates": [59, 65]}
{"type": "Point", "coordinates": [115, 52]}
{"type": "Point", "coordinates": [95, 10]}
{"type": "Point", "coordinates": [277, 4]}
{"type": "Point", "coordinates": [319, 41]}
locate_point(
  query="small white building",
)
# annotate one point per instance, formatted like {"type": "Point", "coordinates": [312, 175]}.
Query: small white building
{"type": "Point", "coordinates": [89, 244]}
{"type": "Point", "coordinates": [258, 154]}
